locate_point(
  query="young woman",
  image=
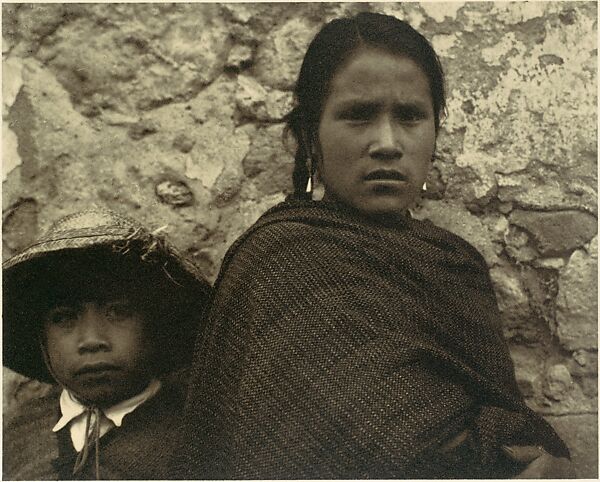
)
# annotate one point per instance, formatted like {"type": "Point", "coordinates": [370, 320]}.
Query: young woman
{"type": "Point", "coordinates": [346, 339]}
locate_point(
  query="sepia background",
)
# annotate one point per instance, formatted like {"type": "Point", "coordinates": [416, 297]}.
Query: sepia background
{"type": "Point", "coordinates": [172, 113]}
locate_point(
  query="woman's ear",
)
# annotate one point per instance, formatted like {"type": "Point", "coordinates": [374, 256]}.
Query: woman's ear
{"type": "Point", "coordinates": [305, 142]}
{"type": "Point", "coordinates": [316, 152]}
{"type": "Point", "coordinates": [318, 185]}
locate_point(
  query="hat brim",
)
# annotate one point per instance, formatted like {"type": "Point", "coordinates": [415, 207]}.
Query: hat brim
{"type": "Point", "coordinates": [22, 325]}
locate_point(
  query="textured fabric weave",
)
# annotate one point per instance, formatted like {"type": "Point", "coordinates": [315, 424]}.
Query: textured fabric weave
{"type": "Point", "coordinates": [339, 347]}
{"type": "Point", "coordinates": [141, 449]}
{"type": "Point", "coordinates": [74, 413]}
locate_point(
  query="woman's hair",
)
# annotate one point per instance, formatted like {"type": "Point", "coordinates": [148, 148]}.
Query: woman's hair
{"type": "Point", "coordinates": [334, 44]}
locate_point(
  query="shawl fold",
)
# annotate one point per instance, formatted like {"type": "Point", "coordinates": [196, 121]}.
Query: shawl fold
{"type": "Point", "coordinates": [342, 347]}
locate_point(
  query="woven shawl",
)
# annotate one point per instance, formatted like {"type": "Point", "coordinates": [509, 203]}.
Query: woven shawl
{"type": "Point", "coordinates": [339, 347]}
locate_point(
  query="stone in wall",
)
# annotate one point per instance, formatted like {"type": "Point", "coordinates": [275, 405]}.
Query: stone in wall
{"type": "Point", "coordinates": [577, 301]}
{"type": "Point", "coordinates": [556, 232]}
{"type": "Point", "coordinates": [473, 178]}
{"type": "Point", "coordinates": [268, 165]}
{"type": "Point", "coordinates": [529, 369]}
{"type": "Point", "coordinates": [17, 389]}
{"type": "Point", "coordinates": [20, 225]}
{"type": "Point", "coordinates": [513, 303]}
{"type": "Point", "coordinates": [558, 382]}
{"type": "Point", "coordinates": [182, 142]}
{"type": "Point", "coordinates": [215, 102]}
{"type": "Point", "coordinates": [561, 395]}
{"type": "Point", "coordinates": [12, 81]}
{"type": "Point", "coordinates": [484, 183]}
{"type": "Point", "coordinates": [27, 25]}
{"type": "Point", "coordinates": [518, 246]}
{"type": "Point", "coordinates": [583, 366]}
{"type": "Point", "coordinates": [141, 129]}
{"type": "Point", "coordinates": [256, 102]}
{"type": "Point", "coordinates": [141, 71]}
{"type": "Point", "coordinates": [175, 193]}
{"type": "Point", "coordinates": [240, 57]}
{"type": "Point", "coordinates": [10, 153]}
{"type": "Point", "coordinates": [527, 91]}
{"type": "Point", "coordinates": [542, 189]}
{"type": "Point", "coordinates": [278, 60]}
{"type": "Point", "coordinates": [580, 432]}
{"type": "Point", "coordinates": [541, 285]}
{"type": "Point", "coordinates": [223, 145]}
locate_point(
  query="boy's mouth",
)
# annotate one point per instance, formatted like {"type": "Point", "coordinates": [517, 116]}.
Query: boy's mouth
{"type": "Point", "coordinates": [99, 368]}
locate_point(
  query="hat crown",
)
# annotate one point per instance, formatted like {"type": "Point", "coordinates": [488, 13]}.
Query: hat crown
{"type": "Point", "coordinates": [92, 219]}
{"type": "Point", "coordinates": [82, 230]}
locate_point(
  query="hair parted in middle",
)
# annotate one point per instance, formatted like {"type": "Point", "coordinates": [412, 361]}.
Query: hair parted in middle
{"type": "Point", "coordinates": [330, 48]}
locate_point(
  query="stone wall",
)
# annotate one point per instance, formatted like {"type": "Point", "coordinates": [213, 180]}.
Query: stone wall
{"type": "Point", "coordinates": [172, 114]}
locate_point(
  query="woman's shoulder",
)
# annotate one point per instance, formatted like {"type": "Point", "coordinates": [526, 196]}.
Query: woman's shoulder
{"type": "Point", "coordinates": [283, 238]}
{"type": "Point", "coordinates": [282, 225]}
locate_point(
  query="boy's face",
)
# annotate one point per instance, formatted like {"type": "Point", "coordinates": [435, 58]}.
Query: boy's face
{"type": "Point", "coordinates": [99, 350]}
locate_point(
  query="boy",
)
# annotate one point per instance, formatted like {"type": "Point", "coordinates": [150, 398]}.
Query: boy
{"type": "Point", "coordinates": [107, 311]}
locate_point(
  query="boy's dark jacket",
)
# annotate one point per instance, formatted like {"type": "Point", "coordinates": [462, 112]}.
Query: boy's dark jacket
{"type": "Point", "coordinates": [138, 449]}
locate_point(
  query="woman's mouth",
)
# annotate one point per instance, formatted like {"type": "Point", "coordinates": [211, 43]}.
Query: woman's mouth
{"type": "Point", "coordinates": [386, 176]}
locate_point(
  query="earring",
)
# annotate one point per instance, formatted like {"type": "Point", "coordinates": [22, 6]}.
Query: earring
{"type": "Point", "coordinates": [424, 188]}
{"type": "Point", "coordinates": [309, 183]}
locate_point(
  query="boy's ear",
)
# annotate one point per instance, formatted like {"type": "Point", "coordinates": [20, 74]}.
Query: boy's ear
{"type": "Point", "coordinates": [157, 338]}
{"type": "Point", "coordinates": [43, 346]}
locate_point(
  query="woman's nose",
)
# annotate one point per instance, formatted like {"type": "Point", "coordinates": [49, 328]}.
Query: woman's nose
{"type": "Point", "coordinates": [92, 331]}
{"type": "Point", "coordinates": [385, 143]}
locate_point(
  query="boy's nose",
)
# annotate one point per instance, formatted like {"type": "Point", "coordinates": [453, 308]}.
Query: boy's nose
{"type": "Point", "coordinates": [92, 331]}
{"type": "Point", "coordinates": [385, 144]}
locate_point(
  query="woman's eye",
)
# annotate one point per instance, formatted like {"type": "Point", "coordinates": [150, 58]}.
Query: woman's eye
{"type": "Point", "coordinates": [61, 315]}
{"type": "Point", "coordinates": [410, 115]}
{"type": "Point", "coordinates": [357, 114]}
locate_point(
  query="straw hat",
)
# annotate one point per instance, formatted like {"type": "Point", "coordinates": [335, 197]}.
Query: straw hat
{"type": "Point", "coordinates": [119, 237]}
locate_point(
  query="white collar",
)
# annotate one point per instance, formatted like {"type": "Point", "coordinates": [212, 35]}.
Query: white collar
{"type": "Point", "coordinates": [73, 410]}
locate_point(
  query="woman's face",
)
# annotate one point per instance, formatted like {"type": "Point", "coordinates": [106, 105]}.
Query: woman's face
{"type": "Point", "coordinates": [377, 133]}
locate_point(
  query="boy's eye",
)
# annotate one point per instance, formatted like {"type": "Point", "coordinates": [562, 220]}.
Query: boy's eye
{"type": "Point", "coordinates": [119, 310]}
{"type": "Point", "coordinates": [61, 315]}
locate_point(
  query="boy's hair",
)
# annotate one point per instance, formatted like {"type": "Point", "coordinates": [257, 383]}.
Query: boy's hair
{"type": "Point", "coordinates": [162, 286]}
{"type": "Point", "coordinates": [99, 275]}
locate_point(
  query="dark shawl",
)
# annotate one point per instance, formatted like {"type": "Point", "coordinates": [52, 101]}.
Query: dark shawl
{"type": "Point", "coordinates": [141, 448]}
{"type": "Point", "coordinates": [339, 347]}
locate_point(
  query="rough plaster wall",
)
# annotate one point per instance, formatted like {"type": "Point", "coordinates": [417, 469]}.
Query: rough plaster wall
{"type": "Point", "coordinates": [172, 114]}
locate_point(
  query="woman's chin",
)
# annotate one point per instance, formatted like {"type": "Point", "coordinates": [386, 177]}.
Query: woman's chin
{"type": "Point", "coordinates": [384, 206]}
{"type": "Point", "coordinates": [377, 203]}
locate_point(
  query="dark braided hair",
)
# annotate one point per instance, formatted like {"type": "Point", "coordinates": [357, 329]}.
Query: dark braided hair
{"type": "Point", "coordinates": [330, 48]}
